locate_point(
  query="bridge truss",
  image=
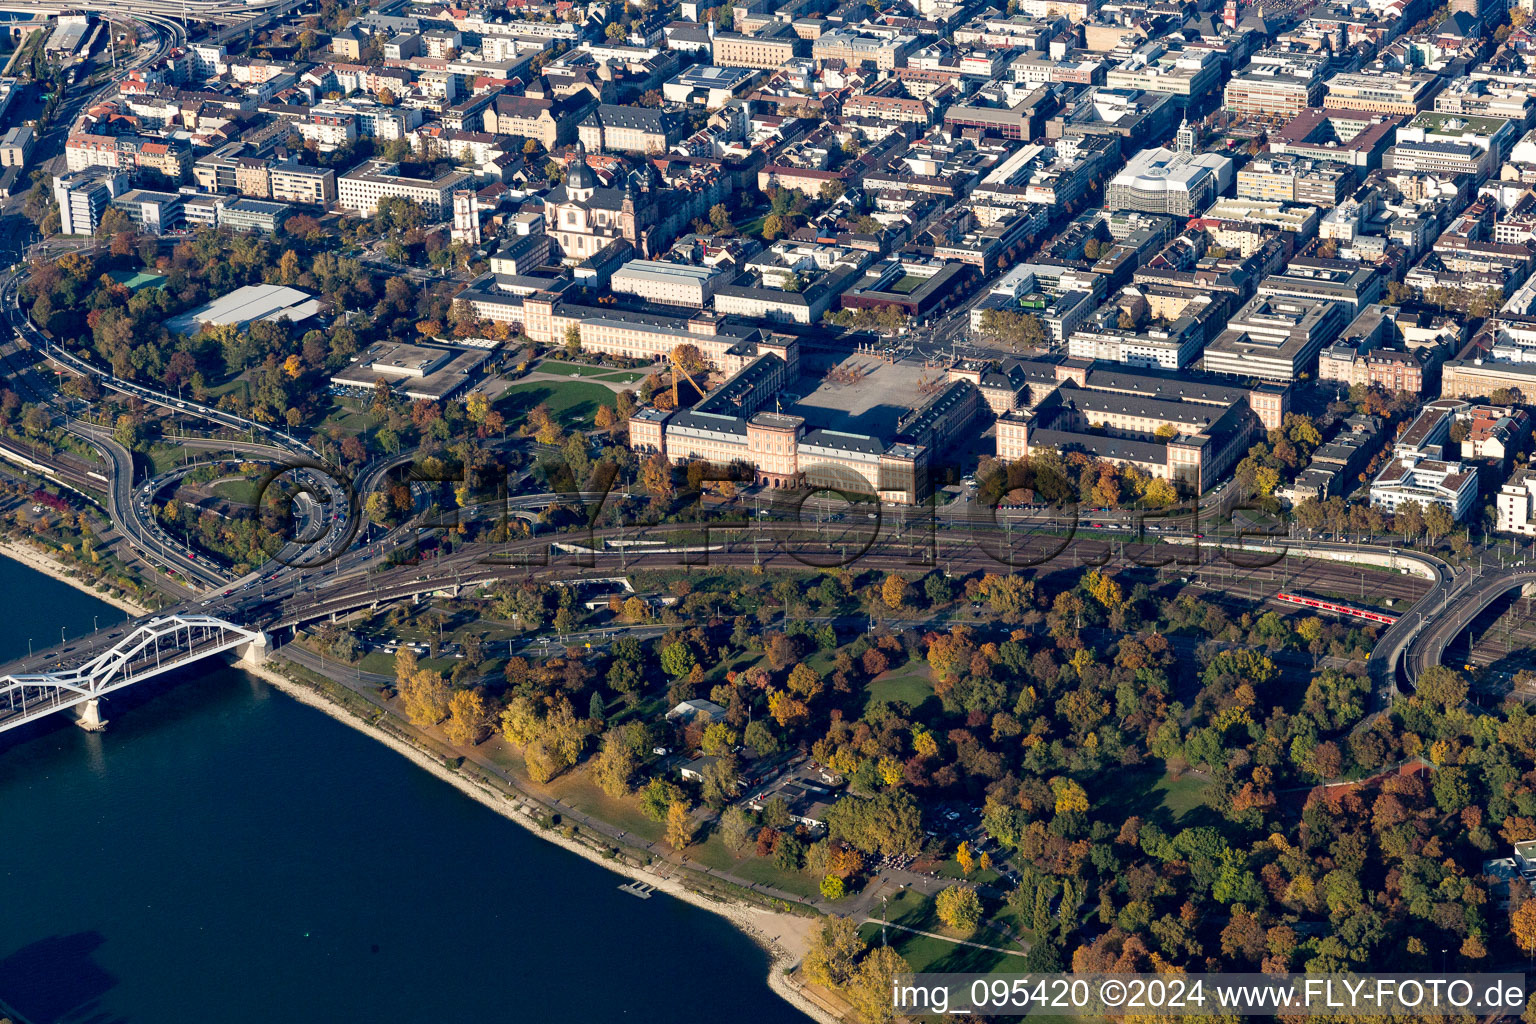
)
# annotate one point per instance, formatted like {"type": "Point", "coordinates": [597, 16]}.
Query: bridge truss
{"type": "Point", "coordinates": [156, 647]}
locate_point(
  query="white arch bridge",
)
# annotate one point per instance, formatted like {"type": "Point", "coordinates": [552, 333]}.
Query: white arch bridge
{"type": "Point", "coordinates": [154, 648]}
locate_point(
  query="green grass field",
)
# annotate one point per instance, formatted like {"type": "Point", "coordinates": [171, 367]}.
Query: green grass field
{"type": "Point", "coordinates": [240, 491]}
{"type": "Point", "coordinates": [909, 683]}
{"type": "Point", "coordinates": [573, 403]}
{"type": "Point", "coordinates": [603, 373]}
{"type": "Point", "coordinates": [908, 284]}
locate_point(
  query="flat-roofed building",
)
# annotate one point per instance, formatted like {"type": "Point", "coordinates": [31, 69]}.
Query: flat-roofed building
{"type": "Point", "coordinates": [1407, 92]}
{"type": "Point", "coordinates": [1273, 91]}
{"type": "Point", "coordinates": [294, 182]}
{"type": "Point", "coordinates": [1275, 338]}
{"type": "Point", "coordinates": [360, 190]}
{"type": "Point", "coordinates": [1286, 178]}
{"type": "Point", "coordinates": [1351, 284]}
{"type": "Point", "coordinates": [1174, 182]}
{"type": "Point", "coordinates": [671, 284]}
{"type": "Point", "coordinates": [1349, 136]}
{"type": "Point", "coordinates": [1451, 485]}
{"type": "Point", "coordinates": [154, 212]}
{"type": "Point", "coordinates": [83, 197]}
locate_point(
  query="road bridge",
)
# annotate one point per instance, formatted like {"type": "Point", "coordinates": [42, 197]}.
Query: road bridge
{"type": "Point", "coordinates": [153, 648]}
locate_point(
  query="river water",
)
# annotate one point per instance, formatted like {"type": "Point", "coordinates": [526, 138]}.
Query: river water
{"type": "Point", "coordinates": [224, 854]}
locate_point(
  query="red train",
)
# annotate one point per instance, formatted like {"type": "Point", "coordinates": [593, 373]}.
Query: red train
{"type": "Point", "coordinates": [1386, 618]}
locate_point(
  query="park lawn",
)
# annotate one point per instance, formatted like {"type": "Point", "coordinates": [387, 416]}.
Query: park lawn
{"type": "Point", "coordinates": [238, 490]}
{"type": "Point", "coordinates": [572, 403]}
{"type": "Point", "coordinates": [621, 377]}
{"type": "Point", "coordinates": [350, 413]}
{"type": "Point", "coordinates": [573, 369]}
{"type": "Point", "coordinates": [762, 870]}
{"type": "Point", "coordinates": [910, 683]}
{"type": "Point", "coordinates": [923, 953]}
{"type": "Point", "coordinates": [1181, 795]}
{"type": "Point", "coordinates": [951, 869]}
{"type": "Point", "coordinates": [1158, 796]}
{"type": "Point", "coordinates": [576, 788]}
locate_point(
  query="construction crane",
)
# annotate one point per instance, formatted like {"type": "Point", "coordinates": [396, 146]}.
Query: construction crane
{"type": "Point", "coordinates": [677, 365]}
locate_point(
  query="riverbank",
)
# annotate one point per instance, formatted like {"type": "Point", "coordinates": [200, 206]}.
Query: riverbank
{"type": "Point", "coordinates": [785, 937]}
{"type": "Point", "coordinates": [69, 576]}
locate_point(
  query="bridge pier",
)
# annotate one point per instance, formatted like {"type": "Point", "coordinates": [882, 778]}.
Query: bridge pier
{"type": "Point", "coordinates": [88, 715]}
{"type": "Point", "coordinates": [255, 652]}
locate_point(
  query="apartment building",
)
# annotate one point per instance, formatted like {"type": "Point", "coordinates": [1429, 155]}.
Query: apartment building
{"type": "Point", "coordinates": [1515, 504]}
{"type": "Point", "coordinates": [83, 197]}
{"type": "Point", "coordinates": [1285, 178]}
{"type": "Point", "coordinates": [360, 190]}
{"type": "Point", "coordinates": [16, 146]}
{"type": "Point", "coordinates": [297, 183]}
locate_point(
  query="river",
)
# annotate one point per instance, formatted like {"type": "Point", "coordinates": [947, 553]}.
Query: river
{"type": "Point", "coordinates": [223, 853]}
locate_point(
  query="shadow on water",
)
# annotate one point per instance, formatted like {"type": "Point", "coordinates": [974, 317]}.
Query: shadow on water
{"type": "Point", "coordinates": [57, 981]}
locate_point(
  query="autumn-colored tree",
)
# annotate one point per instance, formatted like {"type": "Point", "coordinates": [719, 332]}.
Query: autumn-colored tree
{"type": "Point", "coordinates": [613, 769]}
{"type": "Point", "coordinates": [869, 990]}
{"type": "Point", "coordinates": [965, 858]}
{"type": "Point", "coordinates": [467, 718]}
{"type": "Point", "coordinates": [959, 907]}
{"type": "Point", "coordinates": [893, 591]}
{"type": "Point", "coordinates": [680, 827]}
{"type": "Point", "coordinates": [425, 697]}
{"type": "Point", "coordinates": [1522, 925]}
{"type": "Point", "coordinates": [405, 665]}
{"type": "Point", "coordinates": [833, 955]}
{"type": "Point", "coordinates": [786, 710]}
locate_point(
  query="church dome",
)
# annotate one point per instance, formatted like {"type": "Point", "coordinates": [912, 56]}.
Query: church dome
{"type": "Point", "coordinates": [578, 175]}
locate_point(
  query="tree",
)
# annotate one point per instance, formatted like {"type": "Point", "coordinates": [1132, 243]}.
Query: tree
{"type": "Point", "coordinates": [425, 697]}
{"type": "Point", "coordinates": [467, 718]}
{"type": "Point", "coordinates": [893, 591]}
{"type": "Point", "coordinates": [1522, 924]}
{"type": "Point", "coordinates": [657, 796]}
{"type": "Point", "coordinates": [1441, 687]}
{"type": "Point", "coordinates": [959, 907]}
{"type": "Point", "coordinates": [773, 227]}
{"type": "Point", "coordinates": [832, 958]}
{"type": "Point", "coordinates": [677, 659]}
{"type": "Point", "coordinates": [680, 826]}
{"type": "Point", "coordinates": [869, 990]}
{"type": "Point", "coordinates": [736, 830]}
{"type": "Point", "coordinates": [833, 888]}
{"type": "Point", "coordinates": [613, 769]}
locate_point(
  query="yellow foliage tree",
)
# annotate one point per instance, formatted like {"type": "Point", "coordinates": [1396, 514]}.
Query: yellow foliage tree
{"type": "Point", "coordinates": [425, 697]}
{"type": "Point", "coordinates": [467, 718]}
{"type": "Point", "coordinates": [679, 826]}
